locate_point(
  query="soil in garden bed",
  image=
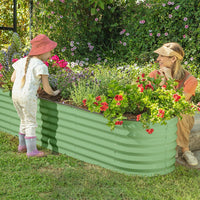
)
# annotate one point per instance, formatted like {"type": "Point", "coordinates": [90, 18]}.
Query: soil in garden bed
{"type": "Point", "coordinates": [42, 94]}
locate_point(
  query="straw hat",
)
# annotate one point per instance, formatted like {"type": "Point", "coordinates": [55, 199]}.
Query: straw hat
{"type": "Point", "coordinates": [166, 51]}
{"type": "Point", "coordinates": [41, 44]}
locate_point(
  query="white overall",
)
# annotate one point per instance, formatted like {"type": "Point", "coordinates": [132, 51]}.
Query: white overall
{"type": "Point", "coordinates": [25, 99]}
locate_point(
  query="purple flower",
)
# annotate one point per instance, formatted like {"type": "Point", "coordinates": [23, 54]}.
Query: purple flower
{"type": "Point", "coordinates": [166, 34]}
{"type": "Point", "coordinates": [191, 58]}
{"type": "Point", "coordinates": [170, 15]}
{"type": "Point", "coordinates": [158, 34]}
{"type": "Point", "coordinates": [96, 19]}
{"type": "Point", "coordinates": [185, 19]}
{"type": "Point", "coordinates": [124, 43]}
{"type": "Point", "coordinates": [163, 4]}
{"type": "Point", "coordinates": [177, 7]}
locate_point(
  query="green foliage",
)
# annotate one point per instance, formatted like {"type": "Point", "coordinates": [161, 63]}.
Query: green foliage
{"type": "Point", "coordinates": [23, 19]}
{"type": "Point", "coordinates": [6, 59]}
{"type": "Point", "coordinates": [151, 103]}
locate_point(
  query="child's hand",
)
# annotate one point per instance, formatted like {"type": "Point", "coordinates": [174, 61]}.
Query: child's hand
{"type": "Point", "coordinates": [56, 92]}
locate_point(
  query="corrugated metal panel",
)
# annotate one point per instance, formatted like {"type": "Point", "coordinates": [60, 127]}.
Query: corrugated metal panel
{"type": "Point", "coordinates": [85, 136]}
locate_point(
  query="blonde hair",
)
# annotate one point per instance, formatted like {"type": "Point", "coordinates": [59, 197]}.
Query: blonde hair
{"type": "Point", "coordinates": [25, 70]}
{"type": "Point", "coordinates": [178, 73]}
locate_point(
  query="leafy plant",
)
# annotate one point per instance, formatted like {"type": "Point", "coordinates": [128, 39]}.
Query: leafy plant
{"type": "Point", "coordinates": [144, 100]}
{"type": "Point", "coordinates": [13, 53]}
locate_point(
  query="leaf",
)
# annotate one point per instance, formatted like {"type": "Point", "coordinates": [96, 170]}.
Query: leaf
{"type": "Point", "coordinates": [93, 11]}
{"type": "Point", "coordinates": [101, 4]}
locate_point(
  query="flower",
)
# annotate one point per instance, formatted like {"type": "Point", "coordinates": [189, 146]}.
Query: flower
{"type": "Point", "coordinates": [186, 26]}
{"type": "Point", "coordinates": [142, 98]}
{"type": "Point", "coordinates": [185, 19]}
{"type": "Point", "coordinates": [15, 60]}
{"type": "Point", "coordinates": [118, 97]}
{"type": "Point", "coordinates": [84, 102]}
{"type": "Point", "coordinates": [98, 98]}
{"type": "Point", "coordinates": [176, 97]}
{"type": "Point", "coordinates": [118, 122]}
{"type": "Point", "coordinates": [150, 131]}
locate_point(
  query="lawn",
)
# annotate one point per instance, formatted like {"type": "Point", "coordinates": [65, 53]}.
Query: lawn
{"type": "Point", "coordinates": [62, 177]}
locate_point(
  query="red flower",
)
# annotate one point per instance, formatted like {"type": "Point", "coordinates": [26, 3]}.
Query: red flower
{"type": "Point", "coordinates": [138, 117]}
{"type": "Point", "coordinates": [118, 103]}
{"type": "Point", "coordinates": [198, 109]}
{"type": "Point", "coordinates": [176, 97]}
{"type": "Point", "coordinates": [161, 113]}
{"type": "Point", "coordinates": [104, 104]}
{"type": "Point", "coordinates": [84, 102]}
{"type": "Point", "coordinates": [149, 86]}
{"type": "Point", "coordinates": [143, 75]}
{"type": "Point", "coordinates": [164, 86]}
{"type": "Point", "coordinates": [118, 122]}
{"type": "Point", "coordinates": [141, 87]}
{"type": "Point", "coordinates": [103, 108]}
{"type": "Point", "coordinates": [96, 103]}
{"type": "Point", "coordinates": [198, 104]}
{"type": "Point", "coordinates": [98, 98]}
{"type": "Point", "coordinates": [158, 73]}
{"type": "Point", "coordinates": [150, 131]}
{"type": "Point", "coordinates": [118, 97]}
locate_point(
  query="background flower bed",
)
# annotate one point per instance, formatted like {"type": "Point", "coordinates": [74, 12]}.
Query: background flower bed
{"type": "Point", "coordinates": [109, 31]}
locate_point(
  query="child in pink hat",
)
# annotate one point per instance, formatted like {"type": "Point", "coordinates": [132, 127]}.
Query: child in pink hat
{"type": "Point", "coordinates": [28, 73]}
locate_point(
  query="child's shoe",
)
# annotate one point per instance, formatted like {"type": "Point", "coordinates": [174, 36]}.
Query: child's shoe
{"type": "Point", "coordinates": [36, 153]}
{"type": "Point", "coordinates": [22, 149]}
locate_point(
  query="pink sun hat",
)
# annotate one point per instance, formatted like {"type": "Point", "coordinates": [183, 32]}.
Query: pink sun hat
{"type": "Point", "coordinates": [41, 44]}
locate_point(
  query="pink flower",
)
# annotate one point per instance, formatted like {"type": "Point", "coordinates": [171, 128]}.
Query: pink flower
{"type": "Point", "coordinates": [55, 58]}
{"type": "Point", "coordinates": [185, 19]}
{"type": "Point", "coordinates": [62, 1]}
{"type": "Point", "coordinates": [96, 19]}
{"type": "Point", "coordinates": [97, 9]}
{"type": "Point", "coordinates": [124, 43]}
{"type": "Point", "coordinates": [184, 36]}
{"type": "Point", "coordinates": [177, 7]}
{"type": "Point", "coordinates": [166, 34]}
{"type": "Point", "coordinates": [62, 63]}
{"type": "Point", "coordinates": [170, 15]}
{"type": "Point", "coordinates": [186, 26]}
{"type": "Point", "coordinates": [15, 60]}
{"type": "Point", "coordinates": [142, 22]}
{"type": "Point", "coordinates": [118, 103]}
{"type": "Point", "coordinates": [158, 34]}
{"type": "Point", "coordinates": [46, 63]}
{"type": "Point", "coordinates": [150, 34]}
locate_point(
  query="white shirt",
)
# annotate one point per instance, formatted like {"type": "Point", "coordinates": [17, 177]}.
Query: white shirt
{"type": "Point", "coordinates": [35, 69]}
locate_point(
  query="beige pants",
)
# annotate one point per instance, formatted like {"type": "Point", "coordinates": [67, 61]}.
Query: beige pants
{"type": "Point", "coordinates": [184, 126]}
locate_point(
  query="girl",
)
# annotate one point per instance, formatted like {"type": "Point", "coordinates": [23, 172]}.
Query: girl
{"type": "Point", "coordinates": [169, 59]}
{"type": "Point", "coordinates": [27, 76]}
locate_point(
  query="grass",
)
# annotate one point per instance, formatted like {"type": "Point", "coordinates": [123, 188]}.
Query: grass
{"type": "Point", "coordinates": [58, 177]}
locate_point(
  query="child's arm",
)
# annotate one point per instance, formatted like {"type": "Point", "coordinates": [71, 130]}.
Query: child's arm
{"type": "Point", "coordinates": [13, 76]}
{"type": "Point", "coordinates": [47, 87]}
